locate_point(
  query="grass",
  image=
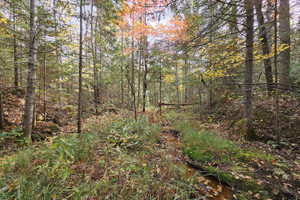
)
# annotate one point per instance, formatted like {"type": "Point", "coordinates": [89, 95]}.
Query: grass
{"type": "Point", "coordinates": [223, 158]}
{"type": "Point", "coordinates": [205, 145]}
{"type": "Point", "coordinates": [116, 158]}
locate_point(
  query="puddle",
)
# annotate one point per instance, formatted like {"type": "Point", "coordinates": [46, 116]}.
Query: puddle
{"type": "Point", "coordinates": [208, 187]}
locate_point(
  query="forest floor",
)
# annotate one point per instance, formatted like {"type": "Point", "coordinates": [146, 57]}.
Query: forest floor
{"type": "Point", "coordinates": [179, 155]}
{"type": "Point", "coordinates": [254, 170]}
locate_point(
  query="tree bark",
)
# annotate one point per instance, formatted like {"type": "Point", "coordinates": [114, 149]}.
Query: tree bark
{"type": "Point", "coordinates": [94, 46]}
{"type": "Point", "coordinates": [44, 75]}
{"type": "Point", "coordinates": [139, 78]}
{"type": "Point", "coordinates": [248, 79]}
{"type": "Point", "coordinates": [265, 45]}
{"type": "Point", "coordinates": [177, 84]}
{"type": "Point", "coordinates": [58, 62]}
{"type": "Point", "coordinates": [160, 86]}
{"type": "Point", "coordinates": [145, 82]}
{"type": "Point", "coordinates": [31, 79]}
{"type": "Point", "coordinates": [80, 72]}
{"type": "Point", "coordinates": [132, 71]}
{"type": "Point", "coordinates": [16, 70]}
{"type": "Point", "coordinates": [285, 39]}
{"type": "Point", "coordinates": [146, 56]}
{"type": "Point", "coordinates": [122, 69]}
{"type": "Point", "coordinates": [277, 131]}
{"type": "Point", "coordinates": [1, 105]}
{"type": "Point", "coordinates": [1, 111]}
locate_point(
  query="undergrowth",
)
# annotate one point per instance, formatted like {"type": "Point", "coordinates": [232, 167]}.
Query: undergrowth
{"type": "Point", "coordinates": [222, 158]}
{"type": "Point", "coordinates": [116, 158]}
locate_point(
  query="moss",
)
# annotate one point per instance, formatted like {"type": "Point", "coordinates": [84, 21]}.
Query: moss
{"type": "Point", "coordinates": [283, 166]}
{"type": "Point", "coordinates": [222, 175]}
{"type": "Point", "coordinates": [245, 171]}
{"type": "Point", "coordinates": [242, 196]}
{"type": "Point", "coordinates": [252, 185]}
{"type": "Point", "coordinates": [250, 134]}
{"type": "Point", "coordinates": [240, 123]}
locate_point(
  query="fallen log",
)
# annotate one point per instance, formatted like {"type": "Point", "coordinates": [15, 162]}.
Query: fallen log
{"type": "Point", "coordinates": [176, 104]}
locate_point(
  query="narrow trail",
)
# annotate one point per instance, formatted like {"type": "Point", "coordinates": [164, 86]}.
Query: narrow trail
{"type": "Point", "coordinates": [208, 187]}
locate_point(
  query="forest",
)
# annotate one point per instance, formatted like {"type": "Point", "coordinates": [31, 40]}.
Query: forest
{"type": "Point", "coordinates": [149, 99]}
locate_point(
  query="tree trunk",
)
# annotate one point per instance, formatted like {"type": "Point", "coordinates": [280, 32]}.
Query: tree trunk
{"type": "Point", "coordinates": [16, 81]}
{"type": "Point", "coordinates": [285, 39]}
{"type": "Point", "coordinates": [60, 86]}
{"type": "Point", "coordinates": [80, 72]}
{"type": "Point", "coordinates": [160, 86]}
{"type": "Point", "coordinates": [31, 79]}
{"type": "Point", "coordinates": [1, 105]}
{"type": "Point", "coordinates": [248, 79]}
{"type": "Point", "coordinates": [185, 88]}
{"type": "Point", "coordinates": [44, 75]}
{"type": "Point", "coordinates": [122, 69]}
{"type": "Point", "coordinates": [95, 53]}
{"type": "Point", "coordinates": [20, 67]}
{"type": "Point", "coordinates": [139, 79]}
{"type": "Point", "coordinates": [177, 85]}
{"type": "Point", "coordinates": [145, 83]}
{"type": "Point", "coordinates": [270, 20]}
{"type": "Point", "coordinates": [146, 56]}
{"type": "Point", "coordinates": [265, 45]}
{"type": "Point", "coordinates": [277, 131]}
{"type": "Point", "coordinates": [132, 71]}
{"type": "Point", "coordinates": [1, 111]}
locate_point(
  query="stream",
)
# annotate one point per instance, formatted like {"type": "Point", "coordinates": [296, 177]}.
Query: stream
{"type": "Point", "coordinates": [209, 187]}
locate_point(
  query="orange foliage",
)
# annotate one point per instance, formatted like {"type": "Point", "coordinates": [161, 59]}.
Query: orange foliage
{"type": "Point", "coordinates": [138, 21]}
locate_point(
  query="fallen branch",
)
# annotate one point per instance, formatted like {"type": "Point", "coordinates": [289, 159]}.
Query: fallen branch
{"type": "Point", "coordinates": [176, 104]}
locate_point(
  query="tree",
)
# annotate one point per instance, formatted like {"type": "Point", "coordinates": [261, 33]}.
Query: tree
{"type": "Point", "coordinates": [265, 45]}
{"type": "Point", "coordinates": [31, 79]}
{"type": "Point", "coordinates": [1, 105]}
{"type": "Point", "coordinates": [248, 75]}
{"type": "Point", "coordinates": [285, 39]}
{"type": "Point", "coordinates": [80, 71]}
{"type": "Point", "coordinates": [16, 81]}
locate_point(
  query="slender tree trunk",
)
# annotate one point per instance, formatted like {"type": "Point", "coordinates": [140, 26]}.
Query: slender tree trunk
{"type": "Point", "coordinates": [210, 95]}
{"type": "Point", "coordinates": [1, 105]}
{"type": "Point", "coordinates": [177, 84]}
{"type": "Point", "coordinates": [145, 82]}
{"type": "Point", "coordinates": [139, 79]}
{"type": "Point", "coordinates": [16, 81]}
{"type": "Point", "coordinates": [146, 56]}
{"type": "Point", "coordinates": [80, 72]}
{"type": "Point", "coordinates": [277, 131]}
{"type": "Point", "coordinates": [155, 93]}
{"type": "Point", "coordinates": [270, 20]}
{"type": "Point", "coordinates": [122, 69]}
{"type": "Point", "coordinates": [44, 74]}
{"type": "Point", "coordinates": [20, 67]}
{"type": "Point", "coordinates": [185, 88]}
{"type": "Point", "coordinates": [31, 79]}
{"type": "Point", "coordinates": [132, 71]}
{"type": "Point", "coordinates": [248, 79]}
{"type": "Point", "coordinates": [1, 111]}
{"type": "Point", "coordinates": [285, 39]}
{"type": "Point", "coordinates": [95, 53]}
{"type": "Point", "coordinates": [60, 86]}
{"type": "Point", "coordinates": [160, 87]}
{"type": "Point", "coordinates": [100, 81]}
{"type": "Point", "coordinates": [265, 45]}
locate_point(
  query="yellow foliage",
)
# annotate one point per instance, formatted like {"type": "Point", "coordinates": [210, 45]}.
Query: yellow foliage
{"type": "Point", "coordinates": [170, 78]}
